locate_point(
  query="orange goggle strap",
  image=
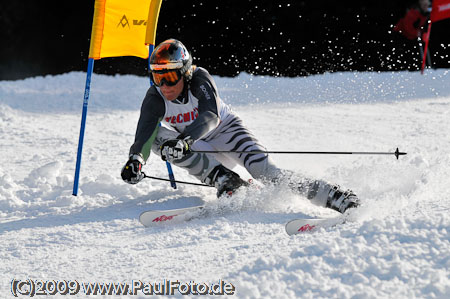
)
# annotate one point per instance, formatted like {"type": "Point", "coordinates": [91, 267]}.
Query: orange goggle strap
{"type": "Point", "coordinates": [170, 78]}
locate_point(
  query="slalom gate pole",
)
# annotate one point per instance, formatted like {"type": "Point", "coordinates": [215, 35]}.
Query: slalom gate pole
{"type": "Point", "coordinates": [420, 49]}
{"type": "Point", "coordinates": [426, 49]}
{"type": "Point", "coordinates": [83, 125]}
{"type": "Point", "coordinates": [172, 181]}
{"type": "Point", "coordinates": [179, 182]}
{"type": "Point", "coordinates": [397, 153]}
{"type": "Point", "coordinates": [150, 51]}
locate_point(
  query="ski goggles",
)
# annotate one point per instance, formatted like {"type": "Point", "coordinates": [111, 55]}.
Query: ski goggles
{"type": "Point", "coordinates": [170, 77]}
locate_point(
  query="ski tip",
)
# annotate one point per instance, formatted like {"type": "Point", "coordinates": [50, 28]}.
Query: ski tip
{"type": "Point", "coordinates": [158, 217]}
{"type": "Point", "coordinates": [302, 229]}
{"type": "Point", "coordinates": [299, 226]}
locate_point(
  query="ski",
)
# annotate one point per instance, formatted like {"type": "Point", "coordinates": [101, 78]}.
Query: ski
{"type": "Point", "coordinates": [298, 226]}
{"type": "Point", "coordinates": [155, 217]}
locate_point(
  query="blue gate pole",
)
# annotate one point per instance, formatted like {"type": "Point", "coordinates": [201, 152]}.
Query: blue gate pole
{"type": "Point", "coordinates": [169, 166]}
{"type": "Point", "coordinates": [83, 125]}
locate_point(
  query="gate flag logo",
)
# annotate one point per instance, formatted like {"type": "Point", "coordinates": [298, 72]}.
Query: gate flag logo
{"type": "Point", "coordinates": [124, 22]}
{"type": "Point", "coordinates": [117, 28]}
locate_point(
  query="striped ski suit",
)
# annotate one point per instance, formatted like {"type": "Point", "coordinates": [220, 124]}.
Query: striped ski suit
{"type": "Point", "coordinates": [200, 114]}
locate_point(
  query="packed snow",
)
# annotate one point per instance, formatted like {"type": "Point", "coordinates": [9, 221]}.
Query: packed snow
{"type": "Point", "coordinates": [397, 244]}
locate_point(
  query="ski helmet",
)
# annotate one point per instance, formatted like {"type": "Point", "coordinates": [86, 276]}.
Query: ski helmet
{"type": "Point", "coordinates": [171, 55]}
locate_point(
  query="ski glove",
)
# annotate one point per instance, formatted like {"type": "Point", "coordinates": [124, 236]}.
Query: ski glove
{"type": "Point", "coordinates": [131, 172]}
{"type": "Point", "coordinates": [175, 149]}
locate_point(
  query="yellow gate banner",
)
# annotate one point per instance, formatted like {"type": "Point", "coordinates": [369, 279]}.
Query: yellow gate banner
{"type": "Point", "coordinates": [119, 28]}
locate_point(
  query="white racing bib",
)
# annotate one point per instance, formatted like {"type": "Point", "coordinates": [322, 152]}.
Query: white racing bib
{"type": "Point", "coordinates": [179, 116]}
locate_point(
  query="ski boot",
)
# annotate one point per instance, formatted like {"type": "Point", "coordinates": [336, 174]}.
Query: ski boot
{"type": "Point", "coordinates": [341, 201]}
{"type": "Point", "coordinates": [225, 180]}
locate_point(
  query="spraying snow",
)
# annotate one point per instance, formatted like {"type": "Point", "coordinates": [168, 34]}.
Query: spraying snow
{"type": "Point", "coordinates": [397, 245]}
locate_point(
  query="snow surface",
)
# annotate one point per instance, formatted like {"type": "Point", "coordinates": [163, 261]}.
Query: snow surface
{"type": "Point", "coordinates": [397, 246]}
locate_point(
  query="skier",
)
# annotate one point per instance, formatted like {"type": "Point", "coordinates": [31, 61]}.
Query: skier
{"type": "Point", "coordinates": [412, 23]}
{"type": "Point", "coordinates": [185, 99]}
{"type": "Point", "coordinates": [409, 35]}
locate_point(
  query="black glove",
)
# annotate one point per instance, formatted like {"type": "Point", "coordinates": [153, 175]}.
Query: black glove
{"type": "Point", "coordinates": [175, 149]}
{"type": "Point", "coordinates": [131, 172]}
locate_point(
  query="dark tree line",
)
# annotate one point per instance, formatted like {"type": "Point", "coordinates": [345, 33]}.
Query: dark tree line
{"type": "Point", "coordinates": [277, 38]}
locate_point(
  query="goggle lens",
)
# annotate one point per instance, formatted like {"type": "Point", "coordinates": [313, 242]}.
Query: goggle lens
{"type": "Point", "coordinates": [169, 78]}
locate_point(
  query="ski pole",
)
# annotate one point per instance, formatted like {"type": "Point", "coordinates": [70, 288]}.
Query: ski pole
{"type": "Point", "coordinates": [397, 153]}
{"type": "Point", "coordinates": [179, 182]}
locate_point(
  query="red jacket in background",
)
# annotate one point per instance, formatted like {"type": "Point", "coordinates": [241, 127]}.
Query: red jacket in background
{"type": "Point", "coordinates": [411, 23]}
